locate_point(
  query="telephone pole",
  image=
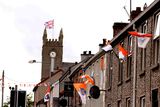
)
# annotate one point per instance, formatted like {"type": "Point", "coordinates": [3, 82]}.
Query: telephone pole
{"type": "Point", "coordinates": [2, 88]}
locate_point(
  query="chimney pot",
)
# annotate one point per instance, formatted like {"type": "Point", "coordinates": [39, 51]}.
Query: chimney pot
{"type": "Point", "coordinates": [145, 6]}
{"type": "Point", "coordinates": [84, 52]}
{"type": "Point", "coordinates": [138, 9]}
{"type": "Point", "coordinates": [135, 13]}
{"type": "Point", "coordinates": [117, 27]}
{"type": "Point", "coordinates": [85, 55]}
{"type": "Point", "coordinates": [76, 63]}
{"type": "Point", "coordinates": [104, 41]}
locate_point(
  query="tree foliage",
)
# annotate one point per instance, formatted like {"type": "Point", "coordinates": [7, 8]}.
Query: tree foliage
{"type": "Point", "coordinates": [29, 102]}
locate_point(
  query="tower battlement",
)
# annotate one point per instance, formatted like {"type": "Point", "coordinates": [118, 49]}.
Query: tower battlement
{"type": "Point", "coordinates": [53, 41]}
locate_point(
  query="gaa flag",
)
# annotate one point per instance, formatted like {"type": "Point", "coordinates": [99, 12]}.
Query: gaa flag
{"type": "Point", "coordinates": [89, 79]}
{"type": "Point", "coordinates": [143, 38]}
{"type": "Point", "coordinates": [55, 89]}
{"type": "Point", "coordinates": [81, 89]}
{"type": "Point", "coordinates": [49, 24]}
{"type": "Point", "coordinates": [142, 42]}
{"type": "Point", "coordinates": [133, 33]}
{"type": "Point", "coordinates": [122, 52]}
{"type": "Point", "coordinates": [47, 95]}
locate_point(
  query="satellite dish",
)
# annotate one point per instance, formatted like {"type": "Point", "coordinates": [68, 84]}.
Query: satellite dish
{"type": "Point", "coordinates": [94, 92]}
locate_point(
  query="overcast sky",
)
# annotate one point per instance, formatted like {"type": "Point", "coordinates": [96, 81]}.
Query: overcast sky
{"type": "Point", "coordinates": [85, 23]}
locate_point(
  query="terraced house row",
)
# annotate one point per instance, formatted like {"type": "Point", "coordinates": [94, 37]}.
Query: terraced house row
{"type": "Point", "coordinates": [130, 82]}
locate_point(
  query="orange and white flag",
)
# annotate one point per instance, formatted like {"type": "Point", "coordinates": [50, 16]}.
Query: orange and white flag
{"type": "Point", "coordinates": [143, 38]}
{"type": "Point", "coordinates": [142, 42]}
{"type": "Point", "coordinates": [81, 89]}
{"type": "Point", "coordinates": [89, 79]}
{"type": "Point", "coordinates": [133, 33]}
{"type": "Point", "coordinates": [122, 52]}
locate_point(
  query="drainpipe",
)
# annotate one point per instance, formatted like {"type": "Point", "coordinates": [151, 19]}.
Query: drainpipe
{"type": "Point", "coordinates": [134, 70]}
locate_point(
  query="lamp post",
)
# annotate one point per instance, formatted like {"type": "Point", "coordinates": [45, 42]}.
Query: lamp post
{"type": "Point", "coordinates": [35, 95]}
{"type": "Point", "coordinates": [13, 96]}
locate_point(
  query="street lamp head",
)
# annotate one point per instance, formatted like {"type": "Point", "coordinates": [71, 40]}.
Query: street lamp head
{"type": "Point", "coordinates": [11, 88]}
{"type": "Point", "coordinates": [32, 61]}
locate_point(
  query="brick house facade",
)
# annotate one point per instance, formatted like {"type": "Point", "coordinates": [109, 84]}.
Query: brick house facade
{"type": "Point", "coordinates": [135, 82]}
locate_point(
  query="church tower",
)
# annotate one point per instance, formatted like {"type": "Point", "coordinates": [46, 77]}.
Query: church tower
{"type": "Point", "coordinates": [51, 45]}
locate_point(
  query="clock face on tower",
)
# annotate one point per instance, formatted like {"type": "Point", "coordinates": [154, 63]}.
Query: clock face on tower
{"type": "Point", "coordinates": [52, 54]}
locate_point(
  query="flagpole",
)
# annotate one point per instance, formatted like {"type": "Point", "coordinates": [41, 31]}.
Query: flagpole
{"type": "Point", "coordinates": [53, 28]}
{"type": "Point", "coordinates": [130, 9]}
{"type": "Point", "coordinates": [48, 104]}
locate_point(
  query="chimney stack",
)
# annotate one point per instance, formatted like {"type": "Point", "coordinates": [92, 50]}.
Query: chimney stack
{"type": "Point", "coordinates": [85, 55]}
{"type": "Point", "coordinates": [135, 13]}
{"type": "Point", "coordinates": [117, 27]}
{"type": "Point", "coordinates": [103, 44]}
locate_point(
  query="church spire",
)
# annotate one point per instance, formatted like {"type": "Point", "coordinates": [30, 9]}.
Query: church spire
{"type": "Point", "coordinates": [44, 36]}
{"type": "Point", "coordinates": [61, 35]}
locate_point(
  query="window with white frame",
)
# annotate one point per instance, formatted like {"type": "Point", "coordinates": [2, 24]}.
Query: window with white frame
{"type": "Point", "coordinates": [143, 50]}
{"type": "Point", "coordinates": [119, 103]}
{"type": "Point", "coordinates": [142, 101]}
{"type": "Point", "coordinates": [128, 102]}
{"type": "Point", "coordinates": [157, 26]}
{"type": "Point", "coordinates": [155, 98]}
{"type": "Point", "coordinates": [110, 60]}
{"type": "Point", "coordinates": [109, 105]}
{"type": "Point", "coordinates": [120, 71]}
{"type": "Point", "coordinates": [156, 41]}
{"type": "Point", "coordinates": [129, 58]}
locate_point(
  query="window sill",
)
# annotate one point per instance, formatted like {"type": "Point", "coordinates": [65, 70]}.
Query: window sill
{"type": "Point", "coordinates": [155, 66]}
{"type": "Point", "coordinates": [119, 83]}
{"type": "Point", "coordinates": [109, 88]}
{"type": "Point", "coordinates": [128, 79]}
{"type": "Point", "coordinates": [142, 73]}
